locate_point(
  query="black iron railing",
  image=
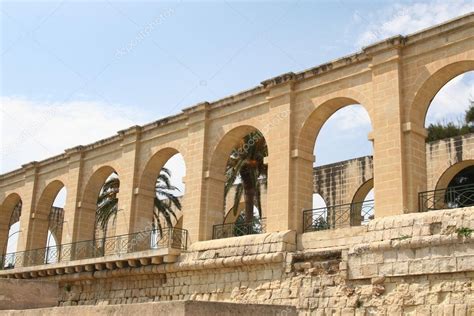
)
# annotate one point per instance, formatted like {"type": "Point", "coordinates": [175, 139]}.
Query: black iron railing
{"type": "Point", "coordinates": [331, 217]}
{"type": "Point", "coordinates": [451, 197]}
{"type": "Point", "coordinates": [257, 226]}
{"type": "Point", "coordinates": [146, 240]}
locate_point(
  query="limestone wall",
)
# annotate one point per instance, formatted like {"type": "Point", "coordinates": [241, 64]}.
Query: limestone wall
{"type": "Point", "coordinates": [443, 155]}
{"type": "Point", "coordinates": [25, 294]}
{"type": "Point", "coordinates": [412, 264]}
{"type": "Point", "coordinates": [339, 182]}
{"type": "Point", "coordinates": [179, 308]}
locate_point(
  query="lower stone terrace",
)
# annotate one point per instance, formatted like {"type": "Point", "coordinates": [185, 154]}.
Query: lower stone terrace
{"type": "Point", "coordinates": [412, 264]}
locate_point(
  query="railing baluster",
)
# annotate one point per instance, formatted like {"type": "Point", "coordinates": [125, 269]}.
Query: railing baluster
{"type": "Point", "coordinates": [176, 238]}
{"type": "Point", "coordinates": [451, 197]}
{"type": "Point", "coordinates": [335, 216]}
{"type": "Point", "coordinates": [238, 229]}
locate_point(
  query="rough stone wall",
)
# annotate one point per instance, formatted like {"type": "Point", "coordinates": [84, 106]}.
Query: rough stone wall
{"type": "Point", "coordinates": [414, 264]}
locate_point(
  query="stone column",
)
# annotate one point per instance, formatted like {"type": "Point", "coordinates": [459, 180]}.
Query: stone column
{"type": "Point", "coordinates": [390, 163]}
{"type": "Point", "coordinates": [197, 218]}
{"type": "Point", "coordinates": [281, 211]}
{"type": "Point", "coordinates": [26, 236]}
{"type": "Point", "coordinates": [125, 221]}
{"type": "Point", "coordinates": [303, 187]}
{"type": "Point", "coordinates": [414, 137]}
{"type": "Point", "coordinates": [74, 190]}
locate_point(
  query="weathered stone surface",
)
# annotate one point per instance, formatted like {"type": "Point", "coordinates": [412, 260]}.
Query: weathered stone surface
{"type": "Point", "coordinates": [24, 294]}
{"type": "Point", "coordinates": [177, 308]}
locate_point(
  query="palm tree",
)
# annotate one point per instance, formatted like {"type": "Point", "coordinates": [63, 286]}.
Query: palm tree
{"type": "Point", "coordinates": [164, 203]}
{"type": "Point", "coordinates": [246, 172]}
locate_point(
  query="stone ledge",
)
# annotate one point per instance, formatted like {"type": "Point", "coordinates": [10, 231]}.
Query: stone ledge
{"type": "Point", "coordinates": [219, 263]}
{"type": "Point", "coordinates": [287, 237]}
{"type": "Point", "coordinates": [92, 264]}
{"type": "Point", "coordinates": [176, 308]}
{"type": "Point", "coordinates": [341, 237]}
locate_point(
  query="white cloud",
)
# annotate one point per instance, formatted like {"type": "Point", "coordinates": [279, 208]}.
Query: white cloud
{"type": "Point", "coordinates": [32, 130]}
{"type": "Point", "coordinates": [350, 118]}
{"type": "Point", "coordinates": [407, 18]}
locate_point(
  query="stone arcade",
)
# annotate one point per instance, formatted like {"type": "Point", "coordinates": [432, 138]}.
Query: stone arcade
{"type": "Point", "coordinates": [401, 262]}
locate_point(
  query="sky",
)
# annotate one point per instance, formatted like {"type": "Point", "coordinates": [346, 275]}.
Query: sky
{"type": "Point", "coordinates": [73, 72]}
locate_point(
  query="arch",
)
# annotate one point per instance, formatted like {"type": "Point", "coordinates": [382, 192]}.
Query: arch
{"type": "Point", "coordinates": [38, 231]}
{"type": "Point", "coordinates": [428, 84]}
{"type": "Point", "coordinates": [362, 210]}
{"type": "Point", "coordinates": [448, 193]}
{"type": "Point", "coordinates": [84, 223]}
{"type": "Point", "coordinates": [311, 127]}
{"type": "Point", "coordinates": [363, 191]}
{"type": "Point", "coordinates": [449, 174]}
{"type": "Point", "coordinates": [153, 167]}
{"type": "Point", "coordinates": [7, 216]}
{"type": "Point", "coordinates": [307, 137]}
{"type": "Point", "coordinates": [215, 174]}
{"type": "Point", "coordinates": [46, 200]}
{"type": "Point", "coordinates": [142, 218]}
{"type": "Point", "coordinates": [221, 152]}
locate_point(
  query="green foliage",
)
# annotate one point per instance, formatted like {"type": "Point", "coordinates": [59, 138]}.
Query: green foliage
{"type": "Point", "coordinates": [321, 224]}
{"type": "Point", "coordinates": [247, 172]}
{"type": "Point", "coordinates": [469, 118]}
{"type": "Point", "coordinates": [164, 203]}
{"type": "Point", "coordinates": [464, 232]}
{"type": "Point", "coordinates": [443, 130]}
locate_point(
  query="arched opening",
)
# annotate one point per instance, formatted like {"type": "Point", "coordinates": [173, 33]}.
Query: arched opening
{"type": "Point", "coordinates": [10, 228]}
{"type": "Point", "coordinates": [454, 189]}
{"type": "Point", "coordinates": [441, 104]}
{"type": "Point", "coordinates": [100, 188]}
{"type": "Point", "coordinates": [448, 112]}
{"type": "Point", "coordinates": [337, 134]}
{"type": "Point", "coordinates": [107, 209]}
{"type": "Point", "coordinates": [450, 125]}
{"type": "Point", "coordinates": [48, 216]}
{"type": "Point", "coordinates": [159, 206]}
{"type": "Point", "coordinates": [237, 179]}
{"type": "Point", "coordinates": [57, 224]}
{"type": "Point", "coordinates": [363, 204]}
{"type": "Point", "coordinates": [460, 190]}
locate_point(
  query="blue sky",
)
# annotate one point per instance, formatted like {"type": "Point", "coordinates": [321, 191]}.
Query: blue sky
{"type": "Point", "coordinates": [90, 68]}
{"type": "Point", "coordinates": [73, 72]}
